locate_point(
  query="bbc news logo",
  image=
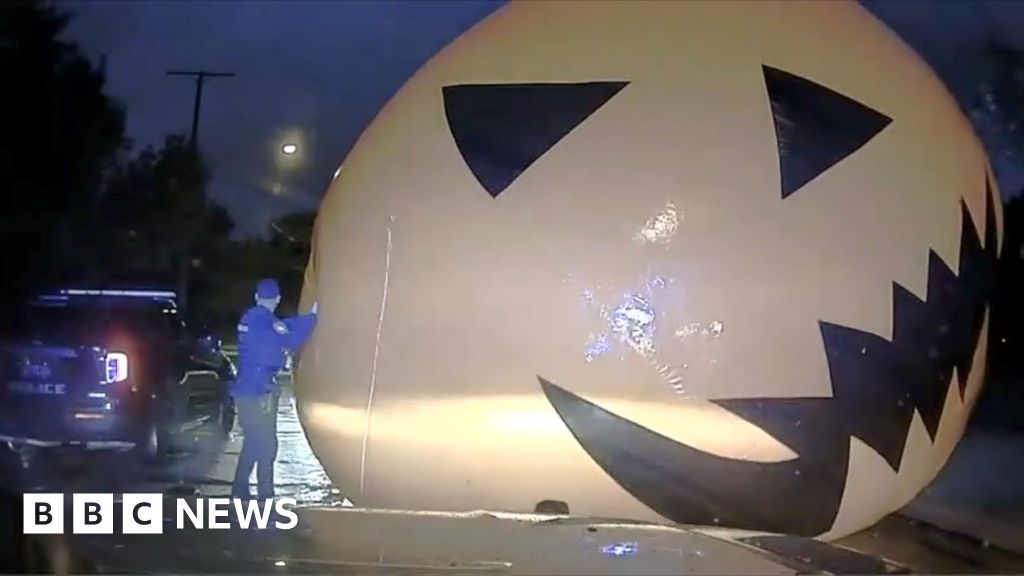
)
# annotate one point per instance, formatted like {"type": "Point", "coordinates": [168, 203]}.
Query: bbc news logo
{"type": "Point", "coordinates": [144, 513]}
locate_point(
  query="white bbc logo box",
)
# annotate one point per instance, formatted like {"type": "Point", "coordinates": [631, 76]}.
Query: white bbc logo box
{"type": "Point", "coordinates": [144, 513]}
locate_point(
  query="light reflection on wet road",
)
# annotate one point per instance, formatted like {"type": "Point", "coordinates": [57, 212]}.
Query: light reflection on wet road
{"type": "Point", "coordinates": [202, 461]}
{"type": "Point", "coordinates": [299, 474]}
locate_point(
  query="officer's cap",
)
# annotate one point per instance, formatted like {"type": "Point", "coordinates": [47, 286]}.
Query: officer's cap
{"type": "Point", "coordinates": [268, 289]}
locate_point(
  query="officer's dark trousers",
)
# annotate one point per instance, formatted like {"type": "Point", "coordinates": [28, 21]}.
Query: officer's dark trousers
{"type": "Point", "coordinates": [258, 417]}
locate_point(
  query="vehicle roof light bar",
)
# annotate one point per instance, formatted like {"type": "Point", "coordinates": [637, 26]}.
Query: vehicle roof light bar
{"type": "Point", "coordinates": [129, 293]}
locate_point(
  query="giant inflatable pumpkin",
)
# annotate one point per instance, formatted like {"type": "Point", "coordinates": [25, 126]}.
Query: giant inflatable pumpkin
{"type": "Point", "coordinates": [708, 263]}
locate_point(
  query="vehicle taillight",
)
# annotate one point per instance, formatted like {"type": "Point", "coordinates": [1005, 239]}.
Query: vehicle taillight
{"type": "Point", "coordinates": [116, 367]}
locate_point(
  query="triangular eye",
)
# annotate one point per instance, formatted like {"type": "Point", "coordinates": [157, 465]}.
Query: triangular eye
{"type": "Point", "coordinates": [501, 129]}
{"type": "Point", "coordinates": [815, 127]}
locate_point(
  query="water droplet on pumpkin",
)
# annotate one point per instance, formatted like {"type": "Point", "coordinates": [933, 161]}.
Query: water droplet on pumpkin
{"type": "Point", "coordinates": [716, 328]}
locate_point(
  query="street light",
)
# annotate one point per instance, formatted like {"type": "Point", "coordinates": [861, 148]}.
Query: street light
{"type": "Point", "coordinates": [289, 149]}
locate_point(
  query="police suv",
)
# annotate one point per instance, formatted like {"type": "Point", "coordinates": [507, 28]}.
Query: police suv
{"type": "Point", "coordinates": [110, 369]}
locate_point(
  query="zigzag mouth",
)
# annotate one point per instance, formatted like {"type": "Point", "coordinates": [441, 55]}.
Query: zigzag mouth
{"type": "Point", "coordinates": [877, 386]}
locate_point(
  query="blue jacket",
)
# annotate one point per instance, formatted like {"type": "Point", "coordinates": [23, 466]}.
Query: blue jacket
{"type": "Point", "coordinates": [263, 339]}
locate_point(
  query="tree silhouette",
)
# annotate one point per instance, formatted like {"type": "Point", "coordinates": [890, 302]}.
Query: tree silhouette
{"type": "Point", "coordinates": [155, 217]}
{"type": "Point", "coordinates": [998, 114]}
{"type": "Point", "coordinates": [61, 132]}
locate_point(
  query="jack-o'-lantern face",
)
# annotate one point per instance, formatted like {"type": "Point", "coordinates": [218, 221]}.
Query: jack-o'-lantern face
{"type": "Point", "coordinates": [710, 262]}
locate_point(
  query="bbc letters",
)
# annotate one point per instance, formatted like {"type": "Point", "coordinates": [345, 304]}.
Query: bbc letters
{"type": "Point", "coordinates": [144, 514]}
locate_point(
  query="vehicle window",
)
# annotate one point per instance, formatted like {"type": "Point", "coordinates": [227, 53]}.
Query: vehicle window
{"type": "Point", "coordinates": [85, 324]}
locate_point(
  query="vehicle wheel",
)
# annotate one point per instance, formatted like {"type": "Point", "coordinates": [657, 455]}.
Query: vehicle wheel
{"type": "Point", "coordinates": [226, 419]}
{"type": "Point", "coordinates": [153, 443]}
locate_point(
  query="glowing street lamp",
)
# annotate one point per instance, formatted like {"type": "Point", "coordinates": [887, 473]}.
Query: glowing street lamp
{"type": "Point", "coordinates": [289, 149]}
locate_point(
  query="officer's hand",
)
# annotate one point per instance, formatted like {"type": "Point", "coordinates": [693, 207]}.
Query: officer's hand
{"type": "Point", "coordinates": [313, 309]}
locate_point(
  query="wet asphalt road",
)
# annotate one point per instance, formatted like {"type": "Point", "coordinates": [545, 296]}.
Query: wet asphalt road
{"type": "Point", "coordinates": [201, 460]}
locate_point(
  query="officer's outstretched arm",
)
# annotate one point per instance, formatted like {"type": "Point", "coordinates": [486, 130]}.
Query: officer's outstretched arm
{"type": "Point", "coordinates": [296, 330]}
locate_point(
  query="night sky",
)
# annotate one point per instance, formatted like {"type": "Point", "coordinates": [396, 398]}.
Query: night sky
{"type": "Point", "coordinates": [316, 73]}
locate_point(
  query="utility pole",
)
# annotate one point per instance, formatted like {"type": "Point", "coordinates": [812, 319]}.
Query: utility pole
{"type": "Point", "coordinates": [200, 76]}
{"type": "Point", "coordinates": [185, 258]}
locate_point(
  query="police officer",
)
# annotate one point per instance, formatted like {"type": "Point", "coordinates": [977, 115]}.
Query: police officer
{"type": "Point", "coordinates": [263, 342]}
